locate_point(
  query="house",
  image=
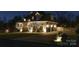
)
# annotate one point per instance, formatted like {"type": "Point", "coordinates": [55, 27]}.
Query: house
{"type": "Point", "coordinates": [36, 25]}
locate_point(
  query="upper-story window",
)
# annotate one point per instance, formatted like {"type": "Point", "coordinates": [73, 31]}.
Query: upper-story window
{"type": "Point", "coordinates": [19, 25]}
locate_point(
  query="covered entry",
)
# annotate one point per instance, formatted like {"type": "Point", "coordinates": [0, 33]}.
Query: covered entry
{"type": "Point", "coordinates": [41, 26]}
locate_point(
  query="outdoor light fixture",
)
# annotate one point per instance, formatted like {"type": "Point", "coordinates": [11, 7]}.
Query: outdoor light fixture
{"type": "Point", "coordinates": [31, 29]}
{"type": "Point", "coordinates": [44, 29]}
{"type": "Point", "coordinates": [21, 30]}
{"type": "Point", "coordinates": [24, 19]}
{"type": "Point", "coordinates": [58, 39]}
{"type": "Point", "coordinates": [55, 26]}
{"type": "Point", "coordinates": [51, 25]}
{"type": "Point", "coordinates": [6, 30]}
{"type": "Point", "coordinates": [47, 25]}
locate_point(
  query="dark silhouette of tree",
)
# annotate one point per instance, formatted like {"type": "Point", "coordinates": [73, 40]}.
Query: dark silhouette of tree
{"type": "Point", "coordinates": [77, 24]}
{"type": "Point", "coordinates": [63, 21]}
{"type": "Point", "coordinates": [11, 24]}
{"type": "Point", "coordinates": [45, 16]}
{"type": "Point", "coordinates": [77, 20]}
{"type": "Point", "coordinates": [2, 26]}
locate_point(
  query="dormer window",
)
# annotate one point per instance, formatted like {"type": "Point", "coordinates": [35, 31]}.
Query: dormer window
{"type": "Point", "coordinates": [37, 13]}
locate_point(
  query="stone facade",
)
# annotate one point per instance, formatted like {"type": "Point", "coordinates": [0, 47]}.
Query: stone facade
{"type": "Point", "coordinates": [36, 26]}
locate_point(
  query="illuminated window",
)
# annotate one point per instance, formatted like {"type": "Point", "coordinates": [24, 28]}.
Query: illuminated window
{"type": "Point", "coordinates": [19, 25]}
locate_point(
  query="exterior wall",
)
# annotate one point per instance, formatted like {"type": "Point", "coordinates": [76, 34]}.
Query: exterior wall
{"type": "Point", "coordinates": [36, 26]}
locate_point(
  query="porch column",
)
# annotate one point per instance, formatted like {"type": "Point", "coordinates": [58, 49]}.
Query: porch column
{"type": "Point", "coordinates": [21, 30]}
{"type": "Point", "coordinates": [51, 28]}
{"type": "Point", "coordinates": [44, 28]}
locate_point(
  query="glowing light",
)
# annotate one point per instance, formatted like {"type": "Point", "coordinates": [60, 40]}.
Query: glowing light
{"type": "Point", "coordinates": [24, 19]}
{"type": "Point", "coordinates": [58, 39]}
{"type": "Point", "coordinates": [31, 29]}
{"type": "Point", "coordinates": [6, 30]}
{"type": "Point", "coordinates": [55, 26]}
{"type": "Point", "coordinates": [44, 29]}
{"type": "Point", "coordinates": [47, 25]}
{"type": "Point", "coordinates": [51, 25]}
{"type": "Point", "coordinates": [21, 30]}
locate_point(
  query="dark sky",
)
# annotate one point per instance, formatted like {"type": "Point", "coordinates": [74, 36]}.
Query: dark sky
{"type": "Point", "coordinates": [10, 14]}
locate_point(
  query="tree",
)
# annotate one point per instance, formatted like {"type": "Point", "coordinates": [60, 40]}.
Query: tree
{"type": "Point", "coordinates": [77, 20]}
{"type": "Point", "coordinates": [63, 21]}
{"type": "Point", "coordinates": [2, 26]}
{"type": "Point", "coordinates": [11, 24]}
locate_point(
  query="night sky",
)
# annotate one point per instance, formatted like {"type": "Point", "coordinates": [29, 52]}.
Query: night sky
{"type": "Point", "coordinates": [10, 14]}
